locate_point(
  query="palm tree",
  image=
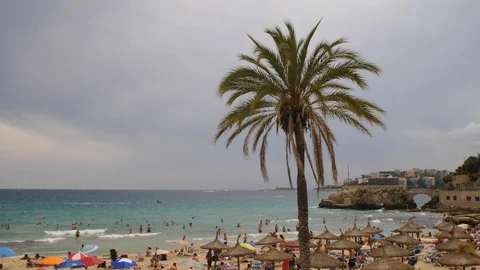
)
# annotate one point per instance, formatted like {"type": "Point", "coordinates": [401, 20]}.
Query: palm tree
{"type": "Point", "coordinates": [297, 90]}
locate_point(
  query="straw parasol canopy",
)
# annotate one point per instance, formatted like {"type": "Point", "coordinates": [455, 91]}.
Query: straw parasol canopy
{"type": "Point", "coordinates": [269, 240]}
{"type": "Point", "coordinates": [386, 263]}
{"type": "Point", "coordinates": [454, 232]}
{"type": "Point", "coordinates": [273, 255]}
{"type": "Point", "coordinates": [390, 250]}
{"type": "Point", "coordinates": [296, 244]}
{"type": "Point", "coordinates": [343, 244]}
{"type": "Point", "coordinates": [215, 245]}
{"type": "Point", "coordinates": [237, 251]}
{"type": "Point", "coordinates": [370, 229]}
{"type": "Point", "coordinates": [444, 225]}
{"type": "Point", "coordinates": [326, 235]}
{"type": "Point", "coordinates": [450, 245]}
{"type": "Point", "coordinates": [466, 256]}
{"type": "Point", "coordinates": [355, 232]}
{"type": "Point", "coordinates": [416, 225]}
{"type": "Point", "coordinates": [408, 228]}
{"type": "Point", "coordinates": [403, 239]}
{"type": "Point", "coordinates": [322, 260]}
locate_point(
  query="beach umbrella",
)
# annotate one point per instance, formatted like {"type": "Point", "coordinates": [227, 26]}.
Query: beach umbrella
{"type": "Point", "coordinates": [326, 235]}
{"type": "Point", "coordinates": [408, 228]}
{"type": "Point", "coordinates": [322, 260]}
{"type": "Point", "coordinates": [370, 229]}
{"type": "Point", "coordinates": [76, 256]}
{"type": "Point", "coordinates": [215, 245]}
{"type": "Point", "coordinates": [273, 255]}
{"type": "Point", "coordinates": [89, 261]}
{"type": "Point", "coordinates": [450, 245]}
{"type": "Point", "coordinates": [70, 264]}
{"type": "Point", "coordinates": [343, 244]}
{"type": "Point", "coordinates": [6, 252]}
{"type": "Point", "coordinates": [192, 264]}
{"type": "Point", "coordinates": [269, 240]}
{"type": "Point", "coordinates": [123, 263]}
{"type": "Point", "coordinates": [416, 225]}
{"type": "Point", "coordinates": [296, 244]}
{"type": "Point", "coordinates": [403, 239]}
{"type": "Point", "coordinates": [444, 225]}
{"type": "Point", "coordinates": [386, 263]}
{"type": "Point", "coordinates": [247, 246]}
{"type": "Point", "coordinates": [355, 232]}
{"type": "Point", "coordinates": [464, 257]}
{"type": "Point", "coordinates": [454, 232]}
{"type": "Point", "coordinates": [50, 261]}
{"type": "Point", "coordinates": [238, 251]}
{"type": "Point", "coordinates": [389, 250]}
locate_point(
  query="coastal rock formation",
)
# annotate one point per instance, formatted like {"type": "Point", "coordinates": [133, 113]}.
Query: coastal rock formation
{"type": "Point", "coordinates": [370, 197]}
{"type": "Point", "coordinates": [434, 203]}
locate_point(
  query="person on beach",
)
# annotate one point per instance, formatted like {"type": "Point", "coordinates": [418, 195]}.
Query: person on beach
{"type": "Point", "coordinates": [209, 258]}
{"type": "Point", "coordinates": [260, 227]}
{"type": "Point", "coordinates": [324, 220]}
{"type": "Point", "coordinates": [140, 229]}
{"type": "Point", "coordinates": [225, 238]}
{"type": "Point", "coordinates": [298, 226]}
{"type": "Point", "coordinates": [149, 228]}
{"type": "Point", "coordinates": [77, 234]}
{"type": "Point", "coordinates": [276, 228]}
{"type": "Point", "coordinates": [249, 267]}
{"type": "Point", "coordinates": [184, 238]}
{"type": "Point", "coordinates": [148, 253]}
{"type": "Point", "coordinates": [174, 266]}
{"type": "Point", "coordinates": [130, 230]}
{"type": "Point", "coordinates": [245, 238]}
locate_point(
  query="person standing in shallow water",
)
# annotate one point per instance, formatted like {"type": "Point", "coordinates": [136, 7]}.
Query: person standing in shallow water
{"type": "Point", "coordinates": [225, 238]}
{"type": "Point", "coordinates": [77, 234]}
{"type": "Point", "coordinates": [245, 238]}
{"type": "Point", "coordinates": [149, 228]}
{"type": "Point", "coordinates": [140, 229]}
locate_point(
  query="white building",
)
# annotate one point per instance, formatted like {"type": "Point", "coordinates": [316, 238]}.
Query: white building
{"type": "Point", "coordinates": [429, 181]}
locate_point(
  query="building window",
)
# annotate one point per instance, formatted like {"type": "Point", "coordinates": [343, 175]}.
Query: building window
{"type": "Point", "coordinates": [477, 199]}
{"type": "Point", "coordinates": [454, 198]}
{"type": "Point", "coordinates": [469, 198]}
{"type": "Point", "coordinates": [448, 198]}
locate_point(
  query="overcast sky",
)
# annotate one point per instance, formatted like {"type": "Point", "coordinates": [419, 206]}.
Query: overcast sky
{"type": "Point", "coordinates": [122, 94]}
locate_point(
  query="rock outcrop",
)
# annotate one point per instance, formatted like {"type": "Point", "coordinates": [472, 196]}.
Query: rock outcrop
{"type": "Point", "coordinates": [434, 203]}
{"type": "Point", "coordinates": [369, 197]}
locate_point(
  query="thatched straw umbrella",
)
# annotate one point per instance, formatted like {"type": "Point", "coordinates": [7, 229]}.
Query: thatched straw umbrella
{"type": "Point", "coordinates": [444, 225]}
{"type": "Point", "coordinates": [322, 260]}
{"type": "Point", "coordinates": [403, 239]}
{"type": "Point", "coordinates": [390, 250]}
{"type": "Point", "coordinates": [273, 255]}
{"type": "Point", "coordinates": [416, 225]}
{"type": "Point", "coordinates": [386, 263]}
{"type": "Point", "coordinates": [325, 235]}
{"type": "Point", "coordinates": [408, 228]}
{"type": "Point", "coordinates": [343, 244]}
{"type": "Point", "coordinates": [355, 232]}
{"type": "Point", "coordinates": [215, 245]}
{"type": "Point", "coordinates": [269, 240]}
{"type": "Point", "coordinates": [237, 251]}
{"type": "Point", "coordinates": [464, 257]}
{"type": "Point", "coordinates": [454, 232]}
{"type": "Point", "coordinates": [450, 245]}
{"type": "Point", "coordinates": [370, 230]}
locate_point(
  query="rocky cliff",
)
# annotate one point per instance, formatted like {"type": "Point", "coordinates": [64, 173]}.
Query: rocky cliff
{"type": "Point", "coordinates": [369, 197]}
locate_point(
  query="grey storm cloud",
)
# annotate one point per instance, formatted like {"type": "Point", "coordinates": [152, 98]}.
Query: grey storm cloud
{"type": "Point", "coordinates": [122, 94]}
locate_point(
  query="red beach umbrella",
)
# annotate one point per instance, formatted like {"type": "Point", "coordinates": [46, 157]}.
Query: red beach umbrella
{"type": "Point", "coordinates": [77, 256]}
{"type": "Point", "coordinates": [89, 261]}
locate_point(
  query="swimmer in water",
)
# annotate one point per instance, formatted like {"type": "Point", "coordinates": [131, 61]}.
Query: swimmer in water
{"type": "Point", "coordinates": [77, 234]}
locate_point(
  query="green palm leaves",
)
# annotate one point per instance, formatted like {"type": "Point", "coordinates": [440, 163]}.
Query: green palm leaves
{"type": "Point", "coordinates": [294, 87]}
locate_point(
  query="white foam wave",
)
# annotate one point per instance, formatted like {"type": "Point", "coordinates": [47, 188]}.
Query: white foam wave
{"type": "Point", "coordinates": [389, 219]}
{"type": "Point", "coordinates": [253, 234]}
{"type": "Point", "coordinates": [380, 210]}
{"type": "Point", "coordinates": [72, 232]}
{"type": "Point", "coordinates": [198, 239]}
{"type": "Point", "coordinates": [368, 215]}
{"type": "Point", "coordinates": [99, 203]}
{"type": "Point", "coordinates": [376, 221]}
{"type": "Point", "coordinates": [12, 241]}
{"type": "Point", "coordinates": [50, 240]}
{"type": "Point", "coordinates": [131, 235]}
{"type": "Point", "coordinates": [277, 196]}
{"type": "Point", "coordinates": [291, 220]}
{"type": "Point", "coordinates": [422, 213]}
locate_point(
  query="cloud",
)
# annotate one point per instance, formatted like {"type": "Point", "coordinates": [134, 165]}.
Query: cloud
{"type": "Point", "coordinates": [50, 141]}
{"type": "Point", "coordinates": [471, 129]}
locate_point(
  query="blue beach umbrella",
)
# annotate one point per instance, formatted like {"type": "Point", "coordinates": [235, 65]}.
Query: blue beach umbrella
{"type": "Point", "coordinates": [6, 252]}
{"type": "Point", "coordinates": [123, 263]}
{"type": "Point", "coordinates": [70, 264]}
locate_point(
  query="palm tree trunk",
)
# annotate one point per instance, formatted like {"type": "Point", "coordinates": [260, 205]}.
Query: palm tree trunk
{"type": "Point", "coordinates": [302, 202]}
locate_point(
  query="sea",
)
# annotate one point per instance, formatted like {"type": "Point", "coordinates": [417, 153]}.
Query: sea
{"type": "Point", "coordinates": [41, 220]}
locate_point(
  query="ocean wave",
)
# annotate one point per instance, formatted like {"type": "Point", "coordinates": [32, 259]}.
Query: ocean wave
{"type": "Point", "coordinates": [422, 213]}
{"type": "Point", "coordinates": [198, 239]}
{"type": "Point", "coordinates": [376, 221]}
{"type": "Point", "coordinates": [72, 232]}
{"type": "Point", "coordinates": [291, 220]}
{"type": "Point", "coordinates": [253, 234]}
{"type": "Point", "coordinates": [368, 215]}
{"type": "Point", "coordinates": [277, 196]}
{"type": "Point", "coordinates": [389, 219]}
{"type": "Point", "coordinates": [12, 241]}
{"type": "Point", "coordinates": [99, 203]}
{"type": "Point", "coordinates": [50, 240]}
{"type": "Point", "coordinates": [130, 235]}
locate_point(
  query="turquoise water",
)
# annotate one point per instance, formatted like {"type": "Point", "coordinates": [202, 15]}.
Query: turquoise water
{"type": "Point", "coordinates": [101, 212]}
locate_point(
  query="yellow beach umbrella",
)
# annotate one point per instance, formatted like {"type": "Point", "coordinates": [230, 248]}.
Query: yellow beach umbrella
{"type": "Point", "coordinates": [50, 261]}
{"type": "Point", "coordinates": [247, 246]}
